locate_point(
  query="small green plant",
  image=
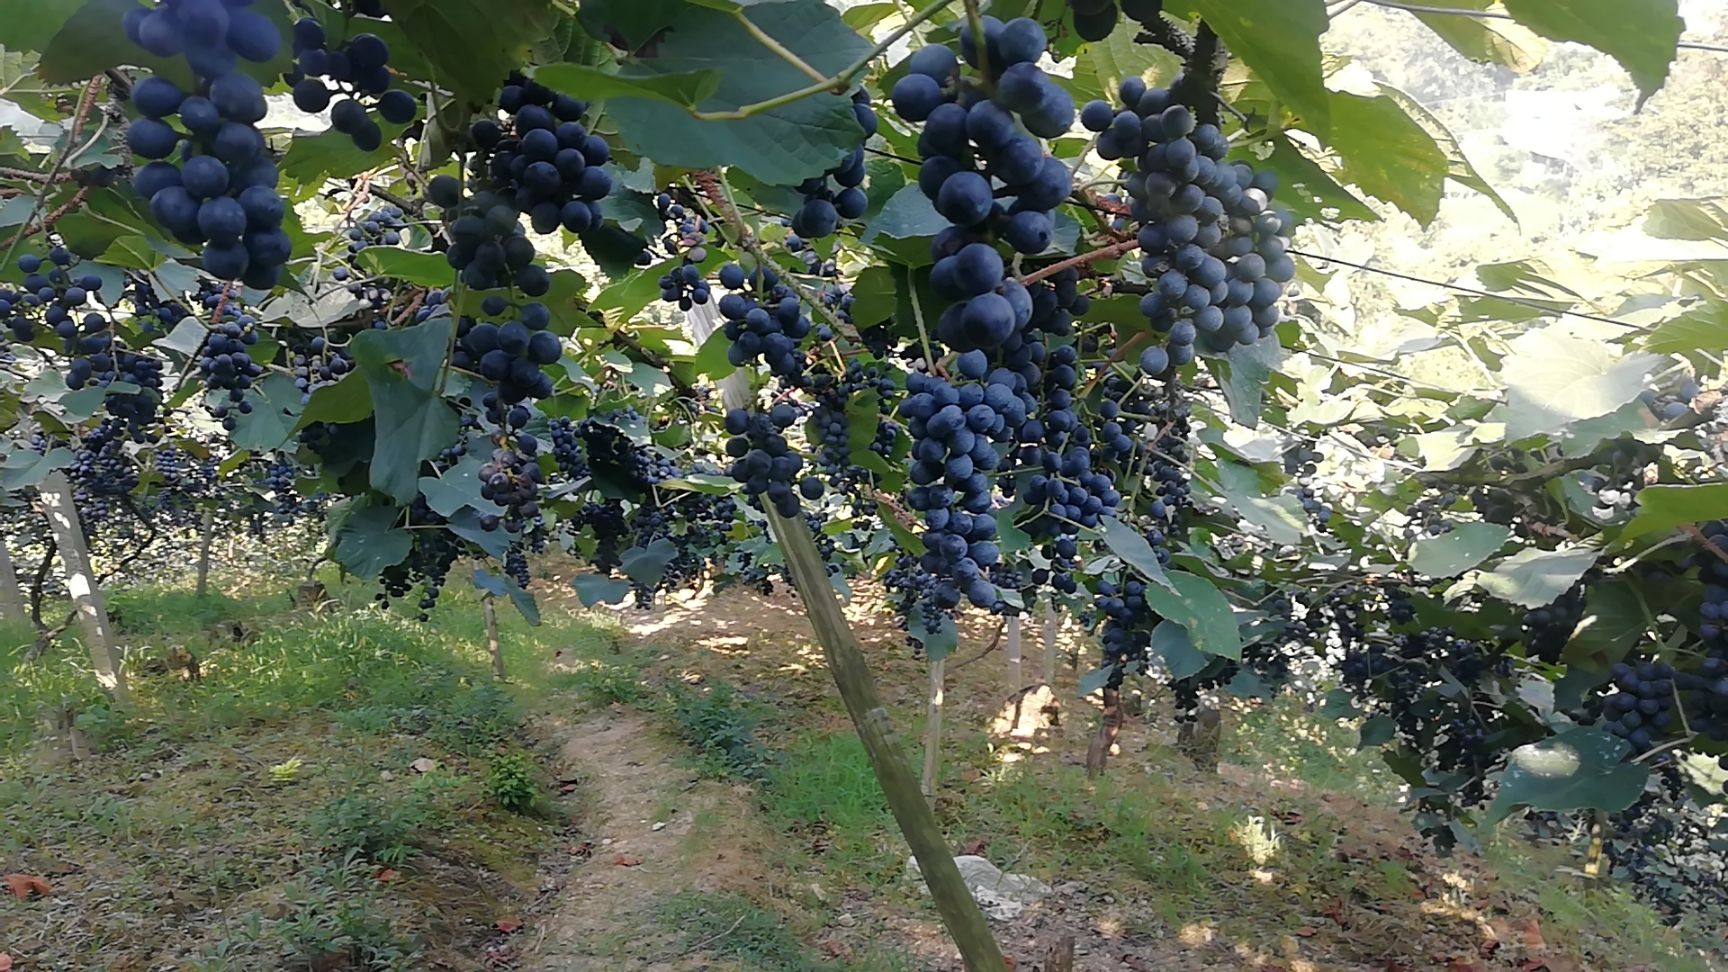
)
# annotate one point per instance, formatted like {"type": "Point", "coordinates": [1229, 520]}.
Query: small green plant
{"type": "Point", "coordinates": [337, 916]}
{"type": "Point", "coordinates": [286, 772]}
{"type": "Point", "coordinates": [722, 730]}
{"type": "Point", "coordinates": [608, 684]}
{"type": "Point", "coordinates": [374, 826]}
{"type": "Point", "coordinates": [513, 781]}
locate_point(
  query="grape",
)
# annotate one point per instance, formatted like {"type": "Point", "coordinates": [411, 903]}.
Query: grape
{"type": "Point", "coordinates": [224, 154]}
{"type": "Point", "coordinates": [359, 72]}
{"type": "Point", "coordinates": [547, 166]}
{"type": "Point", "coordinates": [824, 206]}
{"type": "Point", "coordinates": [765, 321]}
{"type": "Point", "coordinates": [763, 461]}
{"type": "Point", "coordinates": [510, 355]}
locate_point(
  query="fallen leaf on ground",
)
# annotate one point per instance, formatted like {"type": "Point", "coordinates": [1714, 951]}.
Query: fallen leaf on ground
{"type": "Point", "coordinates": [387, 874]}
{"type": "Point", "coordinates": [423, 765]}
{"type": "Point", "coordinates": [508, 924]}
{"type": "Point", "coordinates": [975, 847]}
{"type": "Point", "coordinates": [626, 860]}
{"type": "Point", "coordinates": [5, 962]}
{"type": "Point", "coordinates": [1306, 931]}
{"type": "Point", "coordinates": [1532, 932]}
{"type": "Point", "coordinates": [24, 886]}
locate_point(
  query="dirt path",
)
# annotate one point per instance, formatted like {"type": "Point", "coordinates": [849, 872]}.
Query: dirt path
{"type": "Point", "coordinates": [652, 829]}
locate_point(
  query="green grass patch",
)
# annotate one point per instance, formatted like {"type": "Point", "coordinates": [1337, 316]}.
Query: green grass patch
{"type": "Point", "coordinates": [732, 926]}
{"type": "Point", "coordinates": [720, 726]}
{"type": "Point", "coordinates": [268, 797]}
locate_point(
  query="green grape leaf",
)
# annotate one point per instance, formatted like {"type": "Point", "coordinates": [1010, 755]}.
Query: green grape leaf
{"type": "Point", "coordinates": [1456, 551]}
{"type": "Point", "coordinates": [1643, 35]}
{"type": "Point", "coordinates": [646, 565]}
{"type": "Point", "coordinates": [687, 90]}
{"type": "Point", "coordinates": [368, 540]}
{"type": "Point", "coordinates": [938, 644]}
{"type": "Point", "coordinates": [1170, 641]}
{"type": "Point", "coordinates": [402, 368]}
{"type": "Point", "coordinates": [1665, 507]}
{"type": "Point", "coordinates": [782, 145]}
{"type": "Point", "coordinates": [1376, 731]}
{"type": "Point", "coordinates": [414, 266]}
{"type": "Point", "coordinates": [1531, 578]}
{"type": "Point", "coordinates": [1554, 379]}
{"type": "Point", "coordinates": [1387, 154]}
{"type": "Point", "coordinates": [1131, 546]}
{"type": "Point", "coordinates": [1242, 375]}
{"type": "Point", "coordinates": [1095, 679]}
{"type": "Point", "coordinates": [1580, 769]}
{"type": "Point", "coordinates": [597, 589]}
{"type": "Point", "coordinates": [1195, 604]}
{"type": "Point", "coordinates": [1703, 327]}
{"type": "Point", "coordinates": [903, 228]}
{"type": "Point", "coordinates": [1280, 40]}
{"type": "Point", "coordinates": [473, 45]}
{"type": "Point", "coordinates": [1487, 40]}
{"type": "Point", "coordinates": [274, 417]}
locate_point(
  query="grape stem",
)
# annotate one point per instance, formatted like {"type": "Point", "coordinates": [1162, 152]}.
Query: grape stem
{"type": "Point", "coordinates": [827, 84]}
{"type": "Point", "coordinates": [1113, 250]}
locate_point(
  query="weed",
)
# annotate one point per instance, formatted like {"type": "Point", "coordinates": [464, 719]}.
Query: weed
{"type": "Point", "coordinates": [722, 729]}
{"type": "Point", "coordinates": [377, 827]}
{"type": "Point", "coordinates": [513, 782]}
{"type": "Point", "coordinates": [607, 684]}
{"type": "Point", "coordinates": [337, 916]}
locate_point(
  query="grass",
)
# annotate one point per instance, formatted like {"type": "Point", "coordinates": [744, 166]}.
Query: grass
{"type": "Point", "coordinates": [733, 926]}
{"type": "Point", "coordinates": [349, 788]}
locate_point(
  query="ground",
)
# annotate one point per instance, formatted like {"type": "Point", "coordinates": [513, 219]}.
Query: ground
{"type": "Point", "coordinates": [679, 789]}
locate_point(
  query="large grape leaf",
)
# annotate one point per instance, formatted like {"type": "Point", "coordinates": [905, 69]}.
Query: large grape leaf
{"type": "Point", "coordinates": [628, 24]}
{"type": "Point", "coordinates": [1242, 377]}
{"type": "Point", "coordinates": [1687, 219]}
{"type": "Point", "coordinates": [368, 540]}
{"type": "Point", "coordinates": [1641, 34]}
{"type": "Point", "coordinates": [595, 589]}
{"type": "Point", "coordinates": [1531, 578]}
{"type": "Point", "coordinates": [1487, 40]}
{"type": "Point", "coordinates": [1201, 608]}
{"type": "Point", "coordinates": [1170, 641]}
{"type": "Point", "coordinates": [473, 45]}
{"type": "Point", "coordinates": [274, 417]}
{"type": "Point", "coordinates": [1280, 40]}
{"type": "Point", "coordinates": [1458, 167]}
{"type": "Point", "coordinates": [1670, 506]}
{"type": "Point", "coordinates": [783, 145]}
{"type": "Point", "coordinates": [1554, 379]}
{"type": "Point", "coordinates": [402, 367]}
{"type": "Point", "coordinates": [1127, 543]}
{"type": "Point", "coordinates": [1387, 154]}
{"type": "Point", "coordinates": [901, 229]}
{"type": "Point", "coordinates": [1700, 328]}
{"type": "Point", "coordinates": [1458, 550]}
{"type": "Point", "coordinates": [1576, 770]}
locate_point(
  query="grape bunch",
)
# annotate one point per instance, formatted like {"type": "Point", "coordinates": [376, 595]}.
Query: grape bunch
{"type": "Point", "coordinates": [764, 320]}
{"type": "Point", "coordinates": [511, 479]}
{"type": "Point", "coordinates": [970, 145]}
{"type": "Point", "coordinates": [1213, 246]}
{"type": "Point", "coordinates": [598, 447]}
{"type": "Point", "coordinates": [103, 474]}
{"type": "Point", "coordinates": [829, 430]}
{"type": "Point", "coordinates": [509, 355]}
{"type": "Point", "coordinates": [954, 433]}
{"type": "Point", "coordinates": [824, 206]}
{"type": "Point", "coordinates": [383, 226]}
{"type": "Point", "coordinates": [225, 366]}
{"type": "Point", "coordinates": [1546, 629]}
{"type": "Point", "coordinates": [684, 285]}
{"type": "Point", "coordinates": [1640, 708]}
{"type": "Point", "coordinates": [1674, 404]}
{"type": "Point", "coordinates": [222, 194]}
{"type": "Point", "coordinates": [539, 161]}
{"type": "Point", "coordinates": [355, 75]}
{"type": "Point", "coordinates": [318, 364]}
{"type": "Point", "coordinates": [763, 460]}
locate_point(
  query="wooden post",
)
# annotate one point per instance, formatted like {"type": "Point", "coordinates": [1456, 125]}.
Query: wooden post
{"type": "Point", "coordinates": [206, 530]}
{"type": "Point", "coordinates": [56, 494]}
{"type": "Point", "coordinates": [933, 731]}
{"type": "Point", "coordinates": [11, 595]}
{"type": "Point", "coordinates": [491, 611]}
{"type": "Point", "coordinates": [960, 912]}
{"type": "Point", "coordinates": [1050, 643]}
{"type": "Point", "coordinates": [1011, 653]}
{"type": "Point", "coordinates": [1108, 728]}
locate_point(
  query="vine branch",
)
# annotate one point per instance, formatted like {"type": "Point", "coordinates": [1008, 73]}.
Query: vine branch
{"type": "Point", "coordinates": [1113, 250]}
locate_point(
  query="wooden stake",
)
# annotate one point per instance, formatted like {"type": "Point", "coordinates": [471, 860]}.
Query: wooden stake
{"type": "Point", "coordinates": [1011, 654]}
{"type": "Point", "coordinates": [11, 595]}
{"type": "Point", "coordinates": [1099, 753]}
{"type": "Point", "coordinates": [206, 531]}
{"type": "Point", "coordinates": [56, 495]}
{"type": "Point", "coordinates": [1049, 644]}
{"type": "Point", "coordinates": [933, 731]}
{"type": "Point", "coordinates": [954, 901]}
{"type": "Point", "coordinates": [492, 647]}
